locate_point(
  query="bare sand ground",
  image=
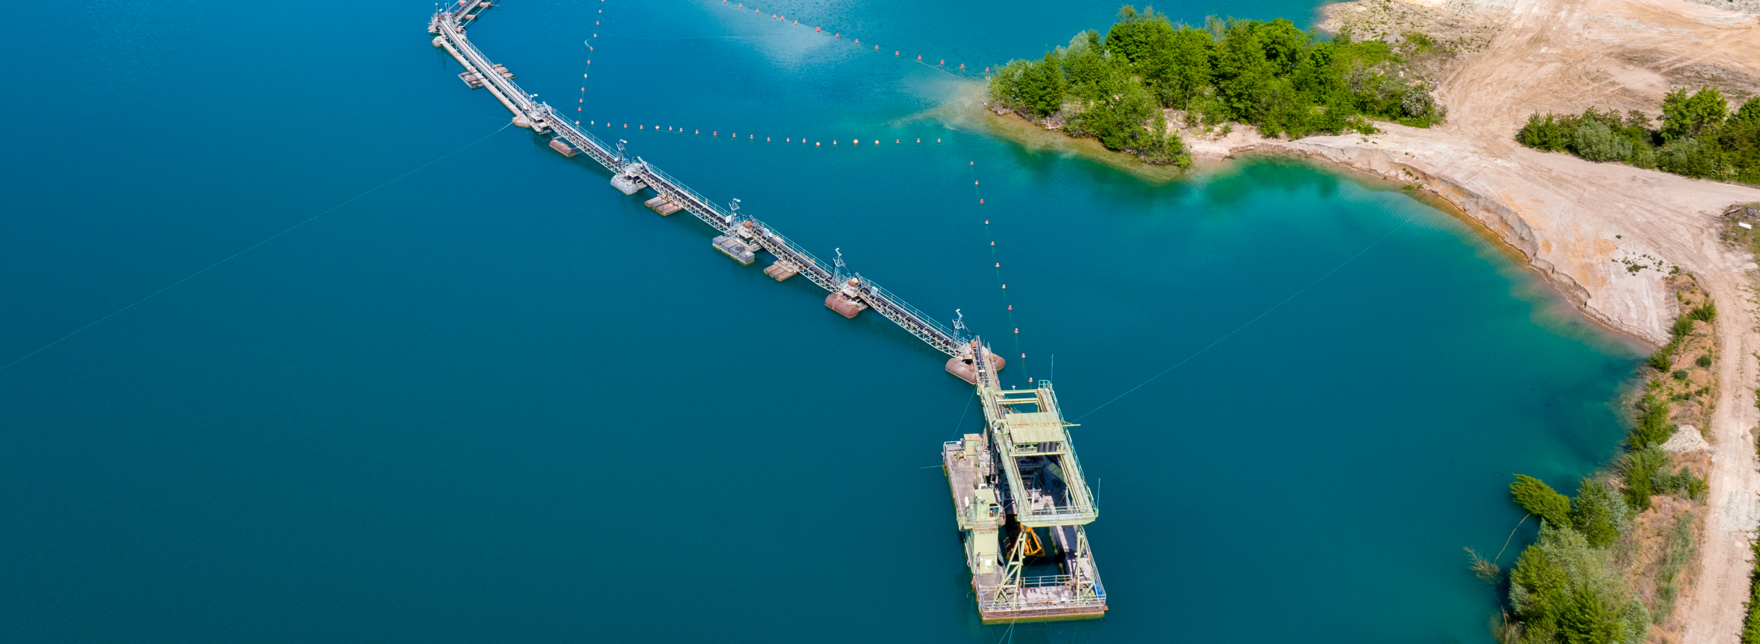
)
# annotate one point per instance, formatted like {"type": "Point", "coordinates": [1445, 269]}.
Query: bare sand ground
{"type": "Point", "coordinates": [1607, 234]}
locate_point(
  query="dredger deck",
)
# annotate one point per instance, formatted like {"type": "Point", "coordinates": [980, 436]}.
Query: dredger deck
{"type": "Point", "coordinates": [1021, 501]}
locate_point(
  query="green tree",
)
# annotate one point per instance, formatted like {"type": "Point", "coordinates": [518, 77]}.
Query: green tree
{"type": "Point", "coordinates": [1686, 116]}
{"type": "Point", "coordinates": [1138, 36]}
{"type": "Point", "coordinates": [1597, 513]}
{"type": "Point", "coordinates": [1652, 426]}
{"type": "Point", "coordinates": [1589, 620]}
{"type": "Point", "coordinates": [1692, 157]}
{"type": "Point", "coordinates": [1285, 45]}
{"type": "Point", "coordinates": [1243, 72]}
{"type": "Point", "coordinates": [1597, 142]}
{"type": "Point", "coordinates": [1089, 68]}
{"type": "Point", "coordinates": [1541, 500]}
{"type": "Point", "coordinates": [1640, 469]}
{"type": "Point", "coordinates": [1543, 133]}
{"type": "Point", "coordinates": [1042, 86]}
{"type": "Point", "coordinates": [1749, 112]}
{"type": "Point", "coordinates": [1182, 69]}
{"type": "Point", "coordinates": [1542, 582]}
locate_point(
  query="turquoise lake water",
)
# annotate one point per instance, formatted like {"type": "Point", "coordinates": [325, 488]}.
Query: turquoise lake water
{"type": "Point", "coordinates": [499, 401]}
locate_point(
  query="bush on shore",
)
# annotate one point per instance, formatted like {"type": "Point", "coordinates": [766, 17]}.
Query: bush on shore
{"type": "Point", "coordinates": [1567, 591]}
{"type": "Point", "coordinates": [1698, 136]}
{"type": "Point", "coordinates": [1273, 75]}
{"type": "Point", "coordinates": [1567, 588]}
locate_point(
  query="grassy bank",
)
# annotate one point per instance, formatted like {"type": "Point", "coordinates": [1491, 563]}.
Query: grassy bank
{"type": "Point", "coordinates": [1612, 561]}
{"type": "Point", "coordinates": [1124, 87]}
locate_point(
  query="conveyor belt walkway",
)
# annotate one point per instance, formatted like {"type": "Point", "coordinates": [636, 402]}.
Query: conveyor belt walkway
{"type": "Point", "coordinates": [741, 235]}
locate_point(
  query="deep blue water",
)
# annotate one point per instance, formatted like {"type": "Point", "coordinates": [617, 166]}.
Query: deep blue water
{"type": "Point", "coordinates": [498, 401]}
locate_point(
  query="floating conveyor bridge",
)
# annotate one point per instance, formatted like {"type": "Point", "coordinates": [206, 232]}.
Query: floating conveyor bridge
{"type": "Point", "coordinates": [1018, 479]}
{"type": "Point", "coordinates": [741, 235]}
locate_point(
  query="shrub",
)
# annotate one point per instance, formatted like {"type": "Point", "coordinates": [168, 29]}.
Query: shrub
{"type": "Point", "coordinates": [1541, 500]}
{"type": "Point", "coordinates": [1681, 329]}
{"type": "Point", "coordinates": [1680, 375]}
{"type": "Point", "coordinates": [1682, 482]}
{"type": "Point", "coordinates": [1751, 631]}
{"type": "Point", "coordinates": [1544, 133]}
{"type": "Point", "coordinates": [1597, 142]}
{"type": "Point", "coordinates": [1564, 590]}
{"type": "Point", "coordinates": [1703, 361]}
{"type": "Point", "coordinates": [1691, 157]}
{"type": "Point", "coordinates": [1652, 425]}
{"type": "Point", "coordinates": [1706, 312]}
{"type": "Point", "coordinates": [1697, 136]}
{"type": "Point", "coordinates": [1677, 550]}
{"type": "Point", "coordinates": [1640, 468]}
{"type": "Point", "coordinates": [1686, 116]}
{"type": "Point", "coordinates": [1643, 156]}
{"type": "Point", "coordinates": [1663, 359]}
{"type": "Point", "coordinates": [1598, 513]}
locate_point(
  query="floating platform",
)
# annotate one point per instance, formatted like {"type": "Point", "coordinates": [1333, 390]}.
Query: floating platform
{"type": "Point", "coordinates": [562, 146]}
{"type": "Point", "coordinates": [625, 183]}
{"type": "Point", "coordinates": [1020, 502]}
{"type": "Point", "coordinates": [663, 206]}
{"type": "Point", "coordinates": [733, 247]}
{"type": "Point", "coordinates": [782, 269]}
{"type": "Point", "coordinates": [965, 367]}
{"type": "Point", "coordinates": [845, 305]}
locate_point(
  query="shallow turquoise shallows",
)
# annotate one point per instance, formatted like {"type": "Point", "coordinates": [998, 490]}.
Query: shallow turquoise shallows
{"type": "Point", "coordinates": [497, 401]}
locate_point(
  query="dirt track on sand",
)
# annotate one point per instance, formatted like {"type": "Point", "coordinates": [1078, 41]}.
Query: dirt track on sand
{"type": "Point", "coordinates": [1607, 234]}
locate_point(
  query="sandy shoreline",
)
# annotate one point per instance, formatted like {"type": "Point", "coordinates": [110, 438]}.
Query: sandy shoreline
{"type": "Point", "coordinates": [1606, 235]}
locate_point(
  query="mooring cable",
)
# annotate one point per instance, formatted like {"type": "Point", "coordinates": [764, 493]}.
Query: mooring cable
{"type": "Point", "coordinates": [248, 248]}
{"type": "Point", "coordinates": [962, 412]}
{"type": "Point", "coordinates": [1261, 316]}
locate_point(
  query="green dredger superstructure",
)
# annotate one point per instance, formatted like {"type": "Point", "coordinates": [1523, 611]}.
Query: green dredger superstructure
{"type": "Point", "coordinates": [1021, 501]}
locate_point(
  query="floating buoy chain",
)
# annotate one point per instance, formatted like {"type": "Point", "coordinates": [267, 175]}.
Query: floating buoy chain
{"type": "Point", "coordinates": [644, 128]}
{"type": "Point", "coordinates": [586, 72]}
{"type": "Point", "coordinates": [996, 262]}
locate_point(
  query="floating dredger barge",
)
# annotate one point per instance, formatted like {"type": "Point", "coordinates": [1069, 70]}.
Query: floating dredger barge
{"type": "Point", "coordinates": [1018, 491]}
{"type": "Point", "coordinates": [1021, 502]}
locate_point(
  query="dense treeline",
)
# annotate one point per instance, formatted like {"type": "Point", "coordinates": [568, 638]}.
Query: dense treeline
{"type": "Point", "coordinates": [1698, 136]}
{"type": "Point", "coordinates": [1566, 588]}
{"type": "Point", "coordinates": [1273, 75]}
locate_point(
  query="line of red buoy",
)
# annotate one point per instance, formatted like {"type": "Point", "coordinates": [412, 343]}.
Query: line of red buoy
{"type": "Point", "coordinates": [997, 262]}
{"type": "Point", "coordinates": [586, 73]}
